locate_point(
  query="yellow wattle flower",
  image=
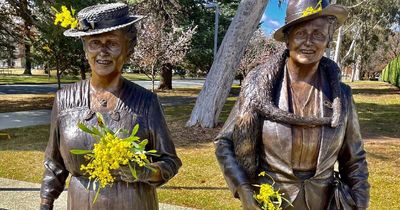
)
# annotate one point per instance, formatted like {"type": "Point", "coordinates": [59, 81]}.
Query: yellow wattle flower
{"type": "Point", "coordinates": [311, 10]}
{"type": "Point", "coordinates": [65, 18]}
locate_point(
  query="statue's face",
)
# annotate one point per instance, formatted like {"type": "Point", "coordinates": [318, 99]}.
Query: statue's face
{"type": "Point", "coordinates": [307, 41]}
{"type": "Point", "coordinates": [106, 52]}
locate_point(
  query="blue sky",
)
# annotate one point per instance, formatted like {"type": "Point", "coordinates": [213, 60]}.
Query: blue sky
{"type": "Point", "coordinates": [273, 17]}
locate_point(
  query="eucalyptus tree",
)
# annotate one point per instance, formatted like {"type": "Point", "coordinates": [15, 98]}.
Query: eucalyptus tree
{"type": "Point", "coordinates": [219, 80]}
{"type": "Point", "coordinates": [367, 30]}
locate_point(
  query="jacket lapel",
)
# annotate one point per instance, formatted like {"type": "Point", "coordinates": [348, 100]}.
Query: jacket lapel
{"type": "Point", "coordinates": [328, 133]}
{"type": "Point", "coordinates": [284, 131]}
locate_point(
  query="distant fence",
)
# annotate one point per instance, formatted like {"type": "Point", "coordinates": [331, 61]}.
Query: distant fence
{"type": "Point", "coordinates": [391, 73]}
{"type": "Point", "coordinates": [6, 71]}
{"type": "Point", "coordinates": [19, 71]}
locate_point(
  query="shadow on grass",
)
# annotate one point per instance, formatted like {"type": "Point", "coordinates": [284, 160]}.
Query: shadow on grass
{"type": "Point", "coordinates": [31, 138]}
{"type": "Point", "coordinates": [379, 121]}
{"type": "Point", "coordinates": [368, 91]}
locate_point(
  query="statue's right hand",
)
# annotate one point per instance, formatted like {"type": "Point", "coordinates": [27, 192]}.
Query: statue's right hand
{"type": "Point", "coordinates": [246, 197]}
{"type": "Point", "coordinates": [46, 204]}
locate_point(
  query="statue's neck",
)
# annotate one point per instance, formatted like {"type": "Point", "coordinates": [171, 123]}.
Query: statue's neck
{"type": "Point", "coordinates": [108, 83]}
{"type": "Point", "coordinates": [301, 72]}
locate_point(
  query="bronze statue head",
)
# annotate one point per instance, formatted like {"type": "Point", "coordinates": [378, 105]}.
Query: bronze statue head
{"type": "Point", "coordinates": [299, 11]}
{"type": "Point", "coordinates": [108, 34]}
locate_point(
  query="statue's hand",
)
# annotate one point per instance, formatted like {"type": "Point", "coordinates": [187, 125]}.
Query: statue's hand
{"type": "Point", "coordinates": [246, 197]}
{"type": "Point", "coordinates": [143, 174]}
{"type": "Point", "coordinates": [46, 204]}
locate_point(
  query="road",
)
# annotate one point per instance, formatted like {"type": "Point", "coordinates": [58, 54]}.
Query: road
{"type": "Point", "coordinates": [52, 88]}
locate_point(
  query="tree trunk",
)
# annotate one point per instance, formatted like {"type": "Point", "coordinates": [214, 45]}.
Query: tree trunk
{"type": "Point", "coordinates": [166, 77]}
{"type": "Point", "coordinates": [219, 80]}
{"type": "Point", "coordinates": [357, 71]}
{"type": "Point", "coordinates": [152, 78]}
{"type": "Point", "coordinates": [26, 16]}
{"type": "Point", "coordinates": [28, 62]}
{"type": "Point", "coordinates": [338, 43]}
{"type": "Point", "coordinates": [82, 70]}
{"type": "Point", "coordinates": [58, 76]}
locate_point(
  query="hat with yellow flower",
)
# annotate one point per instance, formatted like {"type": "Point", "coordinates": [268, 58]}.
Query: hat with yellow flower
{"type": "Point", "coordinates": [102, 18]}
{"type": "Point", "coordinates": [302, 10]}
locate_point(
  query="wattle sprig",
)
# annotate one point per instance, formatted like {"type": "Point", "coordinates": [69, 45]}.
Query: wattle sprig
{"type": "Point", "coordinates": [111, 152]}
{"type": "Point", "coordinates": [269, 198]}
{"type": "Point", "coordinates": [311, 10]}
{"type": "Point", "coordinates": [65, 18]}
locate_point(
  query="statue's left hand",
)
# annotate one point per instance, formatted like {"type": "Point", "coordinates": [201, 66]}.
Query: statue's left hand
{"type": "Point", "coordinates": [144, 174]}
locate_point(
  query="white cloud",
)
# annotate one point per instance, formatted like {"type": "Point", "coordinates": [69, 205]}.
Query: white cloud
{"type": "Point", "coordinates": [264, 18]}
{"type": "Point", "coordinates": [273, 23]}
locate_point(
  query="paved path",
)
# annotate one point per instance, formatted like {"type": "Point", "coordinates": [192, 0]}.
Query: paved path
{"type": "Point", "coordinates": [18, 195]}
{"type": "Point", "coordinates": [24, 118]}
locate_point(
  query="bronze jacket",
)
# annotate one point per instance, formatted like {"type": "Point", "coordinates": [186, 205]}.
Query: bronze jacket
{"type": "Point", "coordinates": [135, 105]}
{"type": "Point", "coordinates": [270, 148]}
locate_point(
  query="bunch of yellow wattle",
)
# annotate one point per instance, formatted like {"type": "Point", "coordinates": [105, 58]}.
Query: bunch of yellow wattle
{"type": "Point", "coordinates": [109, 154]}
{"type": "Point", "coordinates": [268, 198]}
{"type": "Point", "coordinates": [65, 17]}
{"type": "Point", "coordinates": [311, 10]}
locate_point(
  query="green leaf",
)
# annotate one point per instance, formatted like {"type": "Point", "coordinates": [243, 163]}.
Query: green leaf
{"type": "Point", "coordinates": [96, 131]}
{"type": "Point", "coordinates": [143, 143]}
{"type": "Point", "coordinates": [80, 151]}
{"type": "Point", "coordinates": [133, 170]}
{"type": "Point", "coordinates": [135, 130]}
{"type": "Point", "coordinates": [152, 151]}
{"type": "Point", "coordinates": [150, 167]}
{"type": "Point", "coordinates": [84, 128]}
{"type": "Point", "coordinates": [132, 139]}
{"type": "Point", "coordinates": [97, 194]}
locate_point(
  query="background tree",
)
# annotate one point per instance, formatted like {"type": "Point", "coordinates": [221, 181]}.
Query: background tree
{"type": "Point", "coordinates": [257, 52]}
{"type": "Point", "coordinates": [8, 38]}
{"type": "Point", "coordinates": [162, 43]}
{"type": "Point", "coordinates": [21, 16]}
{"type": "Point", "coordinates": [193, 12]}
{"type": "Point", "coordinates": [219, 80]}
{"type": "Point", "coordinates": [366, 32]}
{"type": "Point", "coordinates": [161, 49]}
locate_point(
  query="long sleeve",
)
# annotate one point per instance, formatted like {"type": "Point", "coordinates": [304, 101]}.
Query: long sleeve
{"type": "Point", "coordinates": [55, 173]}
{"type": "Point", "coordinates": [160, 139]}
{"type": "Point", "coordinates": [234, 175]}
{"type": "Point", "coordinates": [352, 160]}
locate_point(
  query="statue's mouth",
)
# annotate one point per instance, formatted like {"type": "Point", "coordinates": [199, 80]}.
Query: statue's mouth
{"type": "Point", "coordinates": [104, 62]}
{"type": "Point", "coordinates": [307, 52]}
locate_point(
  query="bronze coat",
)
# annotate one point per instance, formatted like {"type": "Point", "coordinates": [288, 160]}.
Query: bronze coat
{"type": "Point", "coordinates": [135, 105]}
{"type": "Point", "coordinates": [246, 147]}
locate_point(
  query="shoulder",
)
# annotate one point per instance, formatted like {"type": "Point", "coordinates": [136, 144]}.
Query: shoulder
{"type": "Point", "coordinates": [346, 90]}
{"type": "Point", "coordinates": [72, 95]}
{"type": "Point", "coordinates": [134, 90]}
{"type": "Point", "coordinates": [138, 98]}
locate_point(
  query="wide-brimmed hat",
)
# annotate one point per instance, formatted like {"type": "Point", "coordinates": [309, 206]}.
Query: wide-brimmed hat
{"type": "Point", "coordinates": [303, 10]}
{"type": "Point", "coordinates": [102, 18]}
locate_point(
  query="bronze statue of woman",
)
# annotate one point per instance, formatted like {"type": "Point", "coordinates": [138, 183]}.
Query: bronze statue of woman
{"type": "Point", "coordinates": [109, 36]}
{"type": "Point", "coordinates": [298, 150]}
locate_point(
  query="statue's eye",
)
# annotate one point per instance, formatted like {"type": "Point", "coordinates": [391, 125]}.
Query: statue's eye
{"type": "Point", "coordinates": [94, 44]}
{"type": "Point", "coordinates": [300, 34]}
{"type": "Point", "coordinates": [113, 44]}
{"type": "Point", "coordinates": [318, 35]}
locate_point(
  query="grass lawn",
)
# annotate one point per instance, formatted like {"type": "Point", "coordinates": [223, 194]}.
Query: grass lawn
{"type": "Point", "coordinates": [200, 183]}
